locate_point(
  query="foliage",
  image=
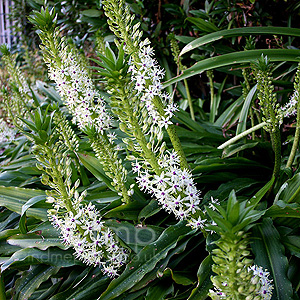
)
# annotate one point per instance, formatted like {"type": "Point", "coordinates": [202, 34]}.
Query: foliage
{"type": "Point", "coordinates": [188, 195]}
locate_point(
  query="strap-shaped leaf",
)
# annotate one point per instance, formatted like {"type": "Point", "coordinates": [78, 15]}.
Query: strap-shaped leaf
{"type": "Point", "coordinates": [14, 198]}
{"type": "Point", "coordinates": [52, 256]}
{"type": "Point", "coordinates": [204, 283]}
{"type": "Point", "coordinates": [290, 191]}
{"type": "Point", "coordinates": [94, 166]}
{"type": "Point", "coordinates": [145, 261]}
{"type": "Point", "coordinates": [87, 285]}
{"type": "Point", "coordinates": [244, 112]}
{"type": "Point", "coordinates": [269, 253]}
{"type": "Point", "coordinates": [236, 58]}
{"type": "Point", "coordinates": [32, 280]}
{"type": "Point", "coordinates": [32, 240]}
{"type": "Point", "coordinates": [243, 31]}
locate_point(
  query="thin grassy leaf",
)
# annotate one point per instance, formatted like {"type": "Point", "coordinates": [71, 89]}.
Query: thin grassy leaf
{"type": "Point", "coordinates": [236, 58]}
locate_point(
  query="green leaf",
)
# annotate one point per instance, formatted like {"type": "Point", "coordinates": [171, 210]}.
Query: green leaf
{"type": "Point", "coordinates": [204, 283]}
{"type": "Point", "coordinates": [95, 167]}
{"type": "Point", "coordinates": [159, 291]}
{"type": "Point", "coordinates": [2, 288]}
{"type": "Point", "coordinates": [180, 247]}
{"type": "Point", "coordinates": [136, 237]}
{"type": "Point", "coordinates": [33, 240]}
{"type": "Point", "coordinates": [128, 211]}
{"type": "Point", "coordinates": [49, 91]}
{"type": "Point", "coordinates": [290, 190]}
{"type": "Point", "coordinates": [244, 112]}
{"type": "Point", "coordinates": [260, 194]}
{"type": "Point", "coordinates": [235, 148]}
{"type": "Point", "coordinates": [216, 102]}
{"type": "Point", "coordinates": [52, 256]}
{"type": "Point", "coordinates": [14, 198]}
{"type": "Point", "coordinates": [22, 224]}
{"type": "Point", "coordinates": [93, 13]}
{"type": "Point", "coordinates": [31, 280]}
{"type": "Point", "coordinates": [269, 253]}
{"type": "Point", "coordinates": [236, 58]}
{"type": "Point", "coordinates": [88, 285]}
{"type": "Point", "coordinates": [32, 201]}
{"type": "Point", "coordinates": [149, 210]}
{"type": "Point", "coordinates": [292, 243]}
{"type": "Point", "coordinates": [243, 31]}
{"type": "Point", "coordinates": [283, 210]}
{"type": "Point", "coordinates": [203, 25]}
{"type": "Point", "coordinates": [145, 261]}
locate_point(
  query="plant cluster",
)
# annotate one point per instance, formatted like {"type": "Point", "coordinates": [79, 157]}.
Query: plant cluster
{"type": "Point", "coordinates": [112, 188]}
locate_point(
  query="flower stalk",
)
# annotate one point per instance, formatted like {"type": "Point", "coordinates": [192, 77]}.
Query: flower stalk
{"type": "Point", "coordinates": [175, 51]}
{"type": "Point", "coordinates": [295, 103]}
{"type": "Point", "coordinates": [269, 107]}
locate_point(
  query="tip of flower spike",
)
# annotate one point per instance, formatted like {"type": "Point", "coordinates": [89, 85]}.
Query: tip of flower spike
{"type": "Point", "coordinates": [44, 20]}
{"type": "Point", "coordinates": [4, 49]}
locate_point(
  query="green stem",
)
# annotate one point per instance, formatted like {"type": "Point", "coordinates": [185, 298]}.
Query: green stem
{"type": "Point", "coordinates": [189, 99]}
{"type": "Point", "coordinates": [241, 135]}
{"type": "Point", "coordinates": [2, 288]}
{"type": "Point", "coordinates": [171, 130]}
{"type": "Point", "coordinates": [109, 148]}
{"type": "Point", "coordinates": [252, 122]}
{"type": "Point", "coordinates": [276, 144]}
{"type": "Point", "coordinates": [138, 134]}
{"type": "Point", "coordinates": [296, 140]}
{"type": "Point", "coordinates": [210, 76]}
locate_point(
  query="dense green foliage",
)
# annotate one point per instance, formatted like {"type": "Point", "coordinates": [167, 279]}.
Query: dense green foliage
{"type": "Point", "coordinates": [232, 68]}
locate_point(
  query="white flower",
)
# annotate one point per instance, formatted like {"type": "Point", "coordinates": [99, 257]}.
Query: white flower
{"type": "Point", "coordinates": [266, 284]}
{"type": "Point", "coordinates": [174, 188]}
{"type": "Point", "coordinates": [76, 88]}
{"type": "Point", "coordinates": [196, 223]}
{"type": "Point", "coordinates": [7, 134]}
{"type": "Point", "coordinates": [213, 203]}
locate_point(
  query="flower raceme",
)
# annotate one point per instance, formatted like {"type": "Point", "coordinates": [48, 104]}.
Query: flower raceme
{"type": "Point", "coordinates": [163, 174]}
{"type": "Point", "coordinates": [76, 88]}
{"type": "Point", "coordinates": [81, 97]}
{"type": "Point", "coordinates": [18, 102]}
{"type": "Point", "coordinates": [80, 224]}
